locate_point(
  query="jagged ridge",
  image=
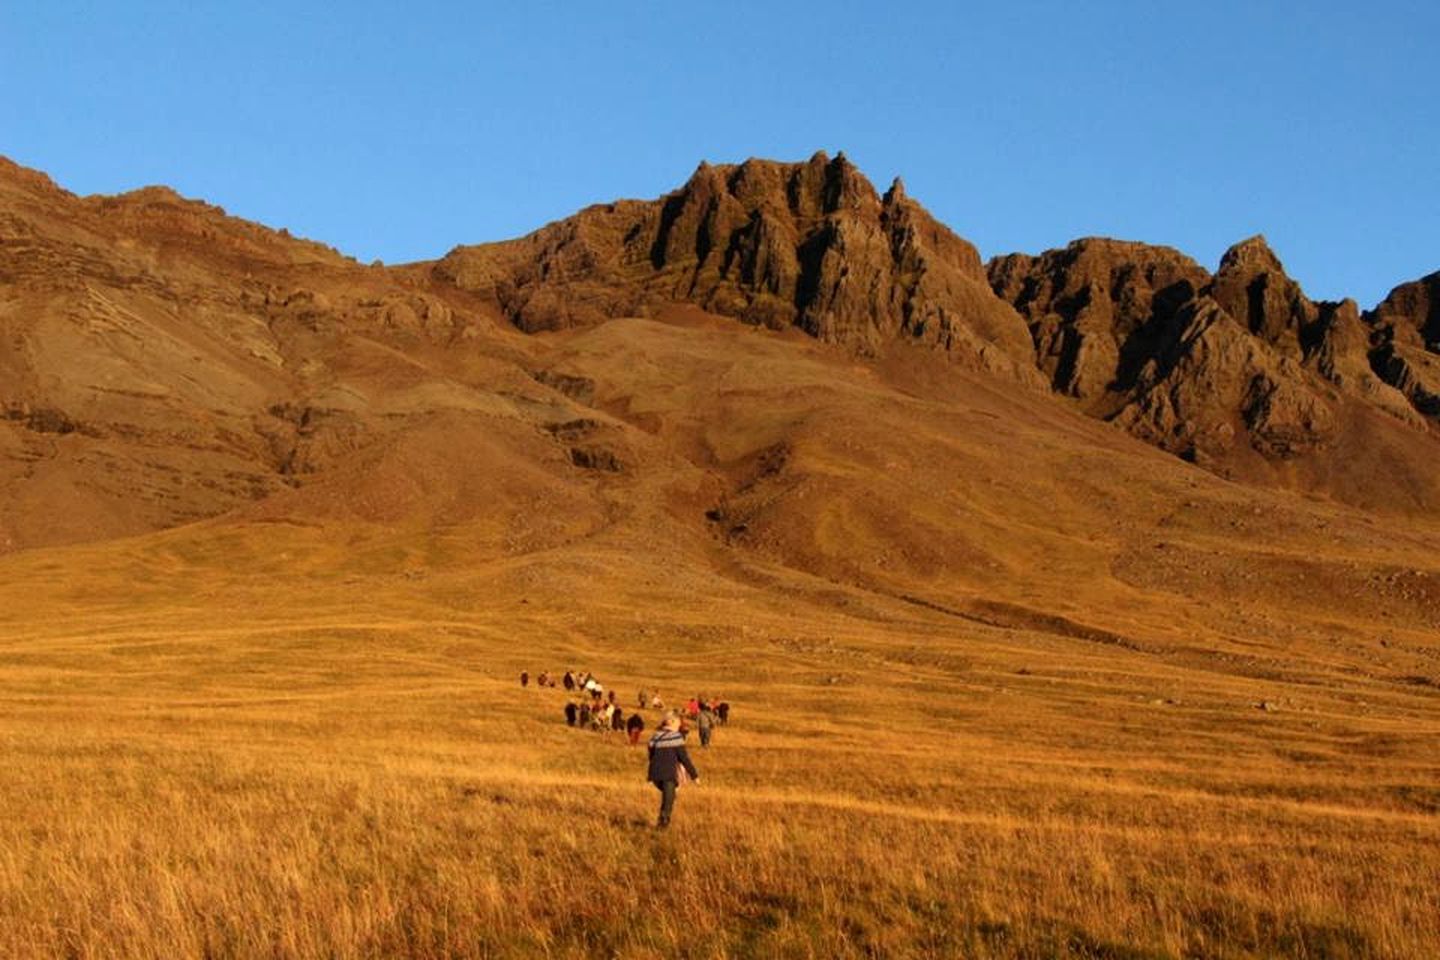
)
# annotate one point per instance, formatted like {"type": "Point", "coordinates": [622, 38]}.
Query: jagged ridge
{"type": "Point", "coordinates": [810, 245]}
{"type": "Point", "coordinates": [1195, 362]}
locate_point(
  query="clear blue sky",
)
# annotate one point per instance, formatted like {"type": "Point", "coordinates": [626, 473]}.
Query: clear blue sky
{"type": "Point", "coordinates": [399, 130]}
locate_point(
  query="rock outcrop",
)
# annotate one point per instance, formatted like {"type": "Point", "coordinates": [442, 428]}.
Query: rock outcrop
{"type": "Point", "coordinates": [1405, 330]}
{"type": "Point", "coordinates": [1099, 309]}
{"type": "Point", "coordinates": [809, 245]}
{"type": "Point", "coordinates": [1214, 368]}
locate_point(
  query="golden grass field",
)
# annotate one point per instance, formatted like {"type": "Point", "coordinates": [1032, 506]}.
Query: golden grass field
{"type": "Point", "coordinates": [205, 757]}
{"type": "Point", "coordinates": [994, 669]}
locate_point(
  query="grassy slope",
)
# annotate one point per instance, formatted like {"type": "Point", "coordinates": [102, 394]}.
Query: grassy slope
{"type": "Point", "coordinates": [994, 693]}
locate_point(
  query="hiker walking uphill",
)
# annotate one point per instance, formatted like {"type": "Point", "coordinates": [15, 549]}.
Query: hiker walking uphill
{"type": "Point", "coordinates": [706, 725]}
{"type": "Point", "coordinates": [670, 765]}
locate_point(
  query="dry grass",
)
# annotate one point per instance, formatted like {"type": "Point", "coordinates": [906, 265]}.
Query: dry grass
{"type": "Point", "coordinates": [349, 769]}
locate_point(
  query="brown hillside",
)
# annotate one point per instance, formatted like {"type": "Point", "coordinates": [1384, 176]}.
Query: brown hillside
{"type": "Point", "coordinates": [163, 362]}
{"type": "Point", "coordinates": [278, 533]}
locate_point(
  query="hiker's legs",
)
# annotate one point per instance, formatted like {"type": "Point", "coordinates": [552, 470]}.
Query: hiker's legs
{"type": "Point", "coordinates": [667, 801]}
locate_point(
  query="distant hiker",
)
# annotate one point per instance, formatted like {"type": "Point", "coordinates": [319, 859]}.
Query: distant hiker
{"type": "Point", "coordinates": [644, 698]}
{"type": "Point", "coordinates": [569, 680]}
{"type": "Point", "coordinates": [722, 711]}
{"type": "Point", "coordinates": [656, 703]}
{"type": "Point", "coordinates": [544, 679]}
{"type": "Point", "coordinates": [584, 714]}
{"type": "Point", "coordinates": [670, 765]}
{"type": "Point", "coordinates": [524, 678]}
{"type": "Point", "coordinates": [617, 719]}
{"type": "Point", "coordinates": [614, 699]}
{"type": "Point", "coordinates": [572, 713]}
{"type": "Point", "coordinates": [705, 724]}
{"type": "Point", "coordinates": [634, 727]}
{"type": "Point", "coordinates": [692, 709]}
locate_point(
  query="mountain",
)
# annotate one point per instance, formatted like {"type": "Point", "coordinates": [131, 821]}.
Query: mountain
{"type": "Point", "coordinates": [809, 245]}
{"type": "Point", "coordinates": [1238, 371]}
{"type": "Point", "coordinates": [162, 362]}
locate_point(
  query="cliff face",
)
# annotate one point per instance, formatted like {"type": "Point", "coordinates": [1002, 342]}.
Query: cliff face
{"type": "Point", "coordinates": [1405, 331]}
{"type": "Point", "coordinates": [809, 245]}
{"type": "Point", "coordinates": [1230, 370]}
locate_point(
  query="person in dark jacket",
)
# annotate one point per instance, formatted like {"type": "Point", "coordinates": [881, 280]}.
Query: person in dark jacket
{"type": "Point", "coordinates": [617, 719]}
{"type": "Point", "coordinates": [569, 680]}
{"type": "Point", "coordinates": [723, 712]}
{"type": "Point", "coordinates": [669, 763]}
{"type": "Point", "coordinates": [524, 678]}
{"type": "Point", "coordinates": [634, 727]}
{"type": "Point", "coordinates": [572, 713]}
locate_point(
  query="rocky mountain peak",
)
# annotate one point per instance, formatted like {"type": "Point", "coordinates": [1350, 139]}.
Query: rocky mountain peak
{"type": "Point", "coordinates": [1253, 287]}
{"type": "Point", "coordinates": [896, 193]}
{"type": "Point", "coordinates": [807, 245]}
{"type": "Point", "coordinates": [1253, 254]}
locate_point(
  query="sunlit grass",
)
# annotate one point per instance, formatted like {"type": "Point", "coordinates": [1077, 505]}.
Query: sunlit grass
{"type": "Point", "coordinates": [324, 777]}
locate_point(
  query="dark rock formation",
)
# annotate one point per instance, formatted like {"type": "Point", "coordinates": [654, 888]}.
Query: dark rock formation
{"type": "Point", "coordinates": [1209, 366]}
{"type": "Point", "coordinates": [810, 245]}
{"type": "Point", "coordinates": [1405, 331]}
{"type": "Point", "coordinates": [1098, 309]}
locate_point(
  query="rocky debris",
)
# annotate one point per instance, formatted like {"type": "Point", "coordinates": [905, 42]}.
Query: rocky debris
{"type": "Point", "coordinates": [809, 245]}
{"type": "Point", "coordinates": [571, 430]}
{"type": "Point", "coordinates": [304, 438]}
{"type": "Point", "coordinates": [596, 458]}
{"type": "Point", "coordinates": [580, 389]}
{"type": "Point", "coordinates": [46, 420]}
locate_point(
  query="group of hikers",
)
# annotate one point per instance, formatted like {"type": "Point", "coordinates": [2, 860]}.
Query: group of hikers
{"type": "Point", "coordinates": [592, 707]}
